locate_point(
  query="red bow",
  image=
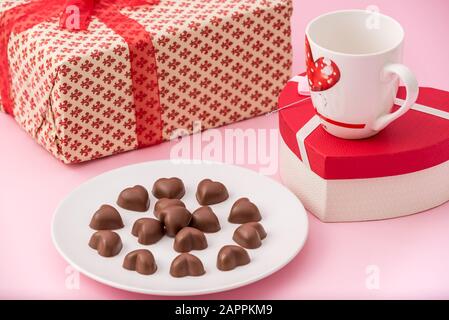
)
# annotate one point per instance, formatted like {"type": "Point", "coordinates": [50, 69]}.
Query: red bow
{"type": "Point", "coordinates": [76, 14]}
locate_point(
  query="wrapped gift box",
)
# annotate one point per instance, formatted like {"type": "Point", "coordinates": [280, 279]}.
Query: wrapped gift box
{"type": "Point", "coordinates": [140, 70]}
{"type": "Point", "coordinates": [402, 170]}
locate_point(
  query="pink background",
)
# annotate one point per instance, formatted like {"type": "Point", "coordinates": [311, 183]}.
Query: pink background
{"type": "Point", "coordinates": [411, 253]}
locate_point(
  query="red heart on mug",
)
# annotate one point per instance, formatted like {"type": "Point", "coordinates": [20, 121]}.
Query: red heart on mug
{"type": "Point", "coordinates": [322, 73]}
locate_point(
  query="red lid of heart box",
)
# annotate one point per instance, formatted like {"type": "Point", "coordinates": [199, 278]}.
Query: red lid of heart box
{"type": "Point", "coordinates": [416, 141]}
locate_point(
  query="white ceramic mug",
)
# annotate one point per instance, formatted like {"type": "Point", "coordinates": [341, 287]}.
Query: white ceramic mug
{"type": "Point", "coordinates": [353, 67]}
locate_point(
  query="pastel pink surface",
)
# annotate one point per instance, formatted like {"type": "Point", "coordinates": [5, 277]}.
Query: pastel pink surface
{"type": "Point", "coordinates": [410, 253]}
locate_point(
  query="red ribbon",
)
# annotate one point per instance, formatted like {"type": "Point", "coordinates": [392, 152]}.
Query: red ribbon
{"type": "Point", "coordinates": [76, 15]}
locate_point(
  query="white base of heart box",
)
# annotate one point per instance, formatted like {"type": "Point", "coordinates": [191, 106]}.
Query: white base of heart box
{"type": "Point", "coordinates": [364, 199]}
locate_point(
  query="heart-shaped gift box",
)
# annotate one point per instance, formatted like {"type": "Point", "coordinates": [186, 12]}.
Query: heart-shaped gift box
{"type": "Point", "coordinates": [402, 170]}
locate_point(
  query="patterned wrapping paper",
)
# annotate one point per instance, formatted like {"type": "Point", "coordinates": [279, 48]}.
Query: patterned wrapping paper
{"type": "Point", "coordinates": [218, 61]}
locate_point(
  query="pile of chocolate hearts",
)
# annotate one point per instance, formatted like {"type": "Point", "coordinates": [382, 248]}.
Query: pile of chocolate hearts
{"type": "Point", "coordinates": [173, 219]}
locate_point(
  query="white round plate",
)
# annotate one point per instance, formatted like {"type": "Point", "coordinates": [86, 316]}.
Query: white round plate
{"type": "Point", "coordinates": [283, 217]}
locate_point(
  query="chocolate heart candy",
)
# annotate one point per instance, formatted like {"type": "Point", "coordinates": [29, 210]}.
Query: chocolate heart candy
{"type": "Point", "coordinates": [250, 235]}
{"type": "Point", "coordinates": [174, 219]}
{"type": "Point", "coordinates": [188, 239]}
{"type": "Point", "coordinates": [211, 192]}
{"type": "Point", "coordinates": [231, 256]}
{"type": "Point", "coordinates": [148, 230]}
{"type": "Point", "coordinates": [172, 188]}
{"type": "Point", "coordinates": [244, 211]}
{"type": "Point", "coordinates": [141, 261]}
{"type": "Point", "coordinates": [106, 242]}
{"type": "Point", "coordinates": [135, 199]}
{"type": "Point", "coordinates": [165, 203]}
{"type": "Point", "coordinates": [204, 219]}
{"type": "Point", "coordinates": [186, 264]}
{"type": "Point", "coordinates": [106, 218]}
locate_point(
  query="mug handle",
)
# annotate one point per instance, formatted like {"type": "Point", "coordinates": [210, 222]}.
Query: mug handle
{"type": "Point", "coordinates": [411, 85]}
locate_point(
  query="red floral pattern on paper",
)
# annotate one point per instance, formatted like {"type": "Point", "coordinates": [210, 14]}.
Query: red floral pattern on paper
{"type": "Point", "coordinates": [218, 61]}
